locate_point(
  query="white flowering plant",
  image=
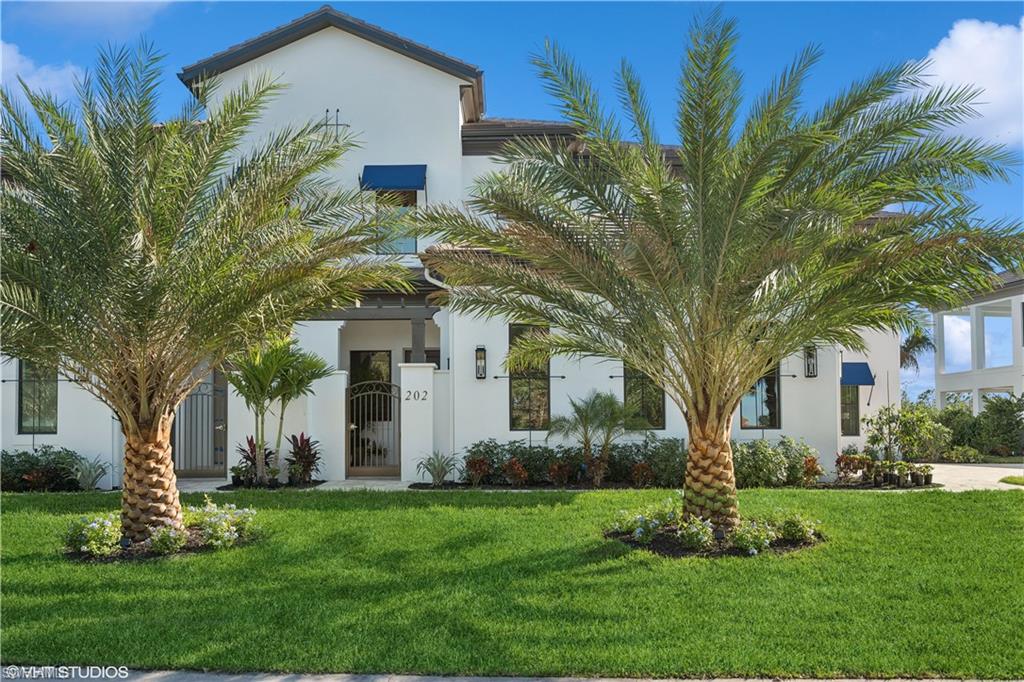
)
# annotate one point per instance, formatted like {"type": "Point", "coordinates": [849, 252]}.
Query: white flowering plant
{"type": "Point", "coordinates": [798, 530]}
{"type": "Point", "coordinates": [166, 540]}
{"type": "Point", "coordinates": [643, 524]}
{"type": "Point", "coordinates": [97, 536]}
{"type": "Point", "coordinates": [694, 533]}
{"type": "Point", "coordinates": [222, 525]}
{"type": "Point", "coordinates": [753, 537]}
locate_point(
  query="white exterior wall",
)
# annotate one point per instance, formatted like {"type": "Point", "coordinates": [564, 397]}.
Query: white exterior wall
{"type": "Point", "coordinates": [84, 424]}
{"type": "Point", "coordinates": [979, 379]}
{"type": "Point", "coordinates": [401, 111]}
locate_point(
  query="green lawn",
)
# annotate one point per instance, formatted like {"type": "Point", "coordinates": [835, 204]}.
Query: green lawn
{"type": "Point", "coordinates": [912, 584]}
{"type": "Point", "coordinates": [1014, 480]}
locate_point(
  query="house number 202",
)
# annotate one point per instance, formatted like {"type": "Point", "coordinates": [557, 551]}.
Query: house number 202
{"type": "Point", "coordinates": [416, 395]}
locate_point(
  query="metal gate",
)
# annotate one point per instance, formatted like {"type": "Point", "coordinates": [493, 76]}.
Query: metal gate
{"type": "Point", "coordinates": [199, 438]}
{"type": "Point", "coordinates": [374, 440]}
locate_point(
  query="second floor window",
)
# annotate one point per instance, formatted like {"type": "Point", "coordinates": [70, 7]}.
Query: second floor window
{"type": "Point", "coordinates": [529, 390]}
{"type": "Point", "coordinates": [645, 397]}
{"type": "Point", "coordinates": [761, 408]}
{"type": "Point", "coordinates": [37, 398]}
{"type": "Point", "coordinates": [400, 244]}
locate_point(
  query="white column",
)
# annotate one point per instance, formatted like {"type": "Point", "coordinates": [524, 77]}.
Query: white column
{"type": "Point", "coordinates": [327, 422]}
{"type": "Point", "coordinates": [417, 415]}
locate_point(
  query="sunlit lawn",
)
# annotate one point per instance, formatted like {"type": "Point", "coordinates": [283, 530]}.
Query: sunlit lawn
{"type": "Point", "coordinates": [908, 584]}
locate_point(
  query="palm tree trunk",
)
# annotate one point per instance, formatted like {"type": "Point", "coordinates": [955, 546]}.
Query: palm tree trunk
{"type": "Point", "coordinates": [149, 497]}
{"type": "Point", "coordinates": [280, 430]}
{"type": "Point", "coordinates": [710, 486]}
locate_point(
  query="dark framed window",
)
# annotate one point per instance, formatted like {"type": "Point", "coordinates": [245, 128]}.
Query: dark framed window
{"type": "Point", "coordinates": [529, 391]}
{"type": "Point", "coordinates": [432, 354]}
{"type": "Point", "coordinates": [849, 410]}
{"type": "Point", "coordinates": [643, 395]}
{"type": "Point", "coordinates": [761, 407]}
{"type": "Point", "coordinates": [404, 199]}
{"type": "Point", "coordinates": [37, 398]}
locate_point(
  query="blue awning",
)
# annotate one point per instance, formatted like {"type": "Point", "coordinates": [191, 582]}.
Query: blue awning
{"type": "Point", "coordinates": [856, 374]}
{"type": "Point", "coordinates": [394, 177]}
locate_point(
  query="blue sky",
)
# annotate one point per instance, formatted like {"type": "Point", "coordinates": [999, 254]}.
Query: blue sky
{"type": "Point", "coordinates": [49, 43]}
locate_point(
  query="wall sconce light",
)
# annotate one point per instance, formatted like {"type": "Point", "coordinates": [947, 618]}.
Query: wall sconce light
{"type": "Point", "coordinates": [481, 362]}
{"type": "Point", "coordinates": [810, 362]}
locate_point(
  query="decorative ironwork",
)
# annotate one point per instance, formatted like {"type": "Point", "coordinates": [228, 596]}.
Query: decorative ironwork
{"type": "Point", "coordinates": [332, 125]}
{"type": "Point", "coordinates": [374, 429]}
{"type": "Point", "coordinates": [199, 437]}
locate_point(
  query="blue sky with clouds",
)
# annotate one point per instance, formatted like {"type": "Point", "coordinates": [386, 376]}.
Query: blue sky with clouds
{"type": "Point", "coordinates": [49, 44]}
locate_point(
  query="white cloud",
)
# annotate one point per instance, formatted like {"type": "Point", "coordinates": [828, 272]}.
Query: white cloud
{"type": "Point", "coordinates": [990, 56]}
{"type": "Point", "coordinates": [58, 80]}
{"type": "Point", "coordinates": [117, 20]}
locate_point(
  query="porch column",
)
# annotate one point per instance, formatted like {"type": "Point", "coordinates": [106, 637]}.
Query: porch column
{"type": "Point", "coordinates": [327, 421]}
{"type": "Point", "coordinates": [419, 335]}
{"type": "Point", "coordinates": [417, 415]}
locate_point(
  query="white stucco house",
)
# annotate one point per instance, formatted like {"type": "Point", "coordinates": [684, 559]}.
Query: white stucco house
{"type": "Point", "coordinates": [412, 378]}
{"type": "Point", "coordinates": [979, 349]}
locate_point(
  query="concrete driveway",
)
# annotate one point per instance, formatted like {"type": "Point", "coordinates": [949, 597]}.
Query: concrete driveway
{"type": "Point", "coordinates": [957, 477]}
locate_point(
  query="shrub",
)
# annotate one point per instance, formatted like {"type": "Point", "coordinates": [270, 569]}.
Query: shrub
{"type": "Point", "coordinates": [667, 457]}
{"type": "Point", "coordinates": [696, 534]}
{"type": "Point", "coordinates": [963, 454]}
{"type": "Point", "coordinates": [535, 459]}
{"type": "Point", "coordinates": [476, 469]}
{"type": "Point", "coordinates": [559, 472]}
{"type": "Point", "coordinates": [1000, 426]}
{"type": "Point", "coordinates": [812, 471]}
{"type": "Point", "coordinates": [515, 473]}
{"type": "Point", "coordinates": [797, 530]}
{"type": "Point", "coordinates": [97, 536]}
{"type": "Point", "coordinates": [795, 452]}
{"type": "Point", "coordinates": [88, 472]}
{"type": "Point", "coordinates": [46, 469]}
{"type": "Point", "coordinates": [911, 432]}
{"type": "Point", "coordinates": [642, 475]}
{"type": "Point", "coordinates": [753, 537]}
{"type": "Point", "coordinates": [848, 466]}
{"type": "Point", "coordinates": [304, 459]}
{"type": "Point", "coordinates": [222, 526]}
{"type": "Point", "coordinates": [166, 540]}
{"type": "Point", "coordinates": [758, 465]}
{"type": "Point", "coordinates": [961, 422]}
{"type": "Point", "coordinates": [439, 467]}
{"type": "Point", "coordinates": [246, 468]}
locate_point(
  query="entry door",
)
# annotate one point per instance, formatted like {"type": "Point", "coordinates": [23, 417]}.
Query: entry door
{"type": "Point", "coordinates": [199, 436]}
{"type": "Point", "coordinates": [373, 413]}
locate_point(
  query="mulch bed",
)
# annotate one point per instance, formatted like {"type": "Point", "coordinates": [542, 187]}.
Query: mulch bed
{"type": "Point", "coordinates": [856, 485]}
{"type": "Point", "coordinates": [139, 552]}
{"type": "Point", "coordinates": [284, 486]}
{"type": "Point", "coordinates": [666, 544]}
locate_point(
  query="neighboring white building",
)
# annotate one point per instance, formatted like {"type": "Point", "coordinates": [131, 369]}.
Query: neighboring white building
{"type": "Point", "coordinates": [978, 348]}
{"type": "Point", "coordinates": [412, 378]}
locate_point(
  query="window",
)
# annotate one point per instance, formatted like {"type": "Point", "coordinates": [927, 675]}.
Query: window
{"type": "Point", "coordinates": [997, 334]}
{"type": "Point", "coordinates": [956, 342]}
{"type": "Point", "coordinates": [433, 355]}
{"type": "Point", "coordinates": [529, 390]}
{"type": "Point", "coordinates": [646, 397]}
{"type": "Point", "coordinates": [405, 200]}
{"type": "Point", "coordinates": [760, 407]}
{"type": "Point", "coordinates": [37, 398]}
{"type": "Point", "coordinates": [849, 410]}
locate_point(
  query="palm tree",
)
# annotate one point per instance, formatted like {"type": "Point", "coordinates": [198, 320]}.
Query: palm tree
{"type": "Point", "coordinates": [706, 264]}
{"type": "Point", "coordinates": [583, 423]}
{"type": "Point", "coordinates": [295, 380]}
{"type": "Point", "coordinates": [138, 254]}
{"type": "Point", "coordinates": [914, 344]}
{"type": "Point", "coordinates": [255, 375]}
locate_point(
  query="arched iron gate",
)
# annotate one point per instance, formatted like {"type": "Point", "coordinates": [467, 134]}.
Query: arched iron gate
{"type": "Point", "coordinates": [199, 436]}
{"type": "Point", "coordinates": [374, 440]}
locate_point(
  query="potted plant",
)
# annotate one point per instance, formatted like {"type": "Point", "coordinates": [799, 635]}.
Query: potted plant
{"type": "Point", "coordinates": [916, 477]}
{"type": "Point", "coordinates": [272, 478]}
{"type": "Point", "coordinates": [888, 472]}
{"type": "Point", "coordinates": [926, 473]}
{"type": "Point", "coordinates": [901, 473]}
{"type": "Point", "coordinates": [238, 475]}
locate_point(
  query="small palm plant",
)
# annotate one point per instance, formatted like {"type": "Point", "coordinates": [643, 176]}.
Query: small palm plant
{"type": "Point", "coordinates": [137, 253]}
{"type": "Point", "coordinates": [705, 265]}
{"type": "Point", "coordinates": [598, 419]}
{"type": "Point", "coordinates": [301, 369]}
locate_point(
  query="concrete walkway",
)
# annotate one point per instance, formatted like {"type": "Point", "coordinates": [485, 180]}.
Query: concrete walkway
{"type": "Point", "coordinates": [958, 477]}
{"type": "Point", "coordinates": [191, 676]}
